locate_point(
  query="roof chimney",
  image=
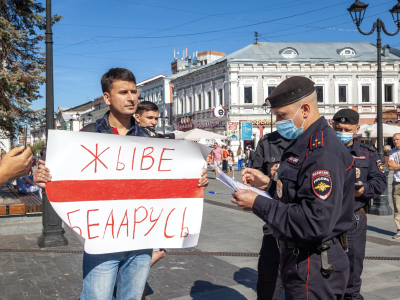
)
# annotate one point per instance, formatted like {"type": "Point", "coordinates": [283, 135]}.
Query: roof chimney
{"type": "Point", "coordinates": [386, 50]}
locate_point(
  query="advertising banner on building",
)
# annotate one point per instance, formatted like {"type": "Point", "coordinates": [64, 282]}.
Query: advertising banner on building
{"type": "Point", "coordinates": [247, 131]}
{"type": "Point", "coordinates": [123, 193]}
{"type": "Point", "coordinates": [233, 131]}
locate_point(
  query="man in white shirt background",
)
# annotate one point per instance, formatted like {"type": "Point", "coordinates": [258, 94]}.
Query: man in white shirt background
{"type": "Point", "coordinates": [394, 165]}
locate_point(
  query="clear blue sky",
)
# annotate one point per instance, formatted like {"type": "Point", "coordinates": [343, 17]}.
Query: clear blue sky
{"type": "Point", "coordinates": [139, 35]}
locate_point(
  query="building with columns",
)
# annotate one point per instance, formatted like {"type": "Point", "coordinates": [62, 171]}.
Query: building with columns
{"type": "Point", "coordinates": [344, 74]}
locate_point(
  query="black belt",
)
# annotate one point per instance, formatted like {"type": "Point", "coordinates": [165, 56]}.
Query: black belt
{"type": "Point", "coordinates": [294, 245]}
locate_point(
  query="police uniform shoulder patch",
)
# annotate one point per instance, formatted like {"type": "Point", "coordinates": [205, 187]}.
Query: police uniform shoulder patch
{"type": "Point", "coordinates": [379, 164]}
{"type": "Point", "coordinates": [321, 183]}
{"type": "Point", "coordinates": [279, 188]}
{"type": "Point", "coordinates": [317, 140]}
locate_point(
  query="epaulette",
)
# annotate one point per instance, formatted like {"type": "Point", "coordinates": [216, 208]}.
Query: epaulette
{"type": "Point", "coordinates": [317, 140]}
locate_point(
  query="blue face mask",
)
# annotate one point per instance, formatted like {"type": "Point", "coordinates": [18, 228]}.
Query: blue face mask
{"type": "Point", "coordinates": [345, 137]}
{"type": "Point", "coordinates": [287, 129]}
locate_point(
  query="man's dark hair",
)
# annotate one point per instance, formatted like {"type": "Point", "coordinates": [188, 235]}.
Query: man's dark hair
{"type": "Point", "coordinates": [146, 106]}
{"type": "Point", "coordinates": [116, 74]}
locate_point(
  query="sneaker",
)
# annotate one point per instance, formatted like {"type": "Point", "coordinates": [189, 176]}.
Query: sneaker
{"type": "Point", "coordinates": [233, 177]}
{"type": "Point", "coordinates": [396, 236]}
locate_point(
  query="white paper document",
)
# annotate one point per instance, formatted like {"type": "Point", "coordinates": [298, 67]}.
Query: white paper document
{"type": "Point", "coordinates": [123, 193]}
{"type": "Point", "coordinates": [235, 185]}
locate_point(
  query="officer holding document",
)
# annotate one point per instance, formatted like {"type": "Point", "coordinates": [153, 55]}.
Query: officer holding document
{"type": "Point", "coordinates": [313, 196]}
{"type": "Point", "coordinates": [370, 183]}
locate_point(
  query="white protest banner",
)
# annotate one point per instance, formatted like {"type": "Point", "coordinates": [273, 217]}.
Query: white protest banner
{"type": "Point", "coordinates": [123, 193]}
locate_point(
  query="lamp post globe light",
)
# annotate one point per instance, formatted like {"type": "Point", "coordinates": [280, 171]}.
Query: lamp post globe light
{"type": "Point", "coordinates": [357, 12]}
{"type": "Point", "coordinates": [267, 109]}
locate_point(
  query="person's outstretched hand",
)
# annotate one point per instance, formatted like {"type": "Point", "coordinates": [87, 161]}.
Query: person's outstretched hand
{"type": "Point", "coordinates": [13, 166]}
{"type": "Point", "coordinates": [255, 178]}
{"type": "Point", "coordinates": [203, 182]}
{"type": "Point", "coordinates": [42, 175]}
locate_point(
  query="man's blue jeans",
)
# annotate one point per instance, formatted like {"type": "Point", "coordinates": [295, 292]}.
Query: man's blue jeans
{"type": "Point", "coordinates": [128, 269]}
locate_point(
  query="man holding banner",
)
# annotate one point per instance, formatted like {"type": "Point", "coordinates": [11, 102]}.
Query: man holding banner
{"type": "Point", "coordinates": [92, 198]}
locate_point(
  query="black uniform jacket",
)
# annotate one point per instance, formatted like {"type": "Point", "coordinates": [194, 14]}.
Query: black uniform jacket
{"type": "Point", "coordinates": [314, 194]}
{"type": "Point", "coordinates": [369, 170]}
{"type": "Point", "coordinates": [269, 151]}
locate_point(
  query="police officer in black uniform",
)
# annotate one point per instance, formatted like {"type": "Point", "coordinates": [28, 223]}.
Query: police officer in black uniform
{"type": "Point", "coordinates": [313, 200]}
{"type": "Point", "coordinates": [371, 182]}
{"type": "Point", "coordinates": [268, 154]}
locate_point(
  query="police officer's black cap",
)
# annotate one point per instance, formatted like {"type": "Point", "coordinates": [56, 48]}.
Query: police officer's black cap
{"type": "Point", "coordinates": [347, 116]}
{"type": "Point", "coordinates": [290, 91]}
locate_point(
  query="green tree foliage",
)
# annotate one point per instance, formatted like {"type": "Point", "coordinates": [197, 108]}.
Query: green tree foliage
{"type": "Point", "coordinates": [22, 64]}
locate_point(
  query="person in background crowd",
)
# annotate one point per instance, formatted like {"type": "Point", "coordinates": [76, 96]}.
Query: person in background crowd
{"type": "Point", "coordinates": [100, 272]}
{"type": "Point", "coordinates": [240, 155]}
{"type": "Point", "coordinates": [268, 154]}
{"type": "Point", "coordinates": [216, 158]}
{"type": "Point", "coordinates": [147, 114]}
{"type": "Point", "coordinates": [231, 161]}
{"type": "Point", "coordinates": [209, 160]}
{"type": "Point", "coordinates": [394, 165]}
{"type": "Point", "coordinates": [224, 159]}
{"type": "Point", "coordinates": [15, 164]}
{"type": "Point", "coordinates": [371, 178]}
{"type": "Point", "coordinates": [313, 200]}
{"type": "Point", "coordinates": [250, 156]}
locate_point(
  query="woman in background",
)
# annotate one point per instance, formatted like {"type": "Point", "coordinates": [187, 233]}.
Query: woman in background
{"type": "Point", "coordinates": [241, 157]}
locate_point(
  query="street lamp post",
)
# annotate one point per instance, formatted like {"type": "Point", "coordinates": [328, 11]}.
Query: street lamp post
{"type": "Point", "coordinates": [357, 12]}
{"type": "Point", "coordinates": [52, 232]}
{"type": "Point", "coordinates": [267, 109]}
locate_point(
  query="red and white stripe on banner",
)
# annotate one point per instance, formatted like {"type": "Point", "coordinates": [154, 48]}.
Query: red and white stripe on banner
{"type": "Point", "coordinates": [124, 193]}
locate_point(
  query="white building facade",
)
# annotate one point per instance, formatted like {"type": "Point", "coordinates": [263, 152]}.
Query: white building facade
{"type": "Point", "coordinates": [344, 76]}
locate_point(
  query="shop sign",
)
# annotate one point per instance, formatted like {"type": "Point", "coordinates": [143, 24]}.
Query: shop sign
{"type": "Point", "coordinates": [184, 123]}
{"type": "Point", "coordinates": [233, 131]}
{"type": "Point", "coordinates": [262, 122]}
{"type": "Point", "coordinates": [208, 124]}
{"type": "Point", "coordinates": [366, 109]}
{"type": "Point", "coordinates": [219, 111]}
{"type": "Point", "coordinates": [184, 126]}
{"type": "Point", "coordinates": [247, 130]}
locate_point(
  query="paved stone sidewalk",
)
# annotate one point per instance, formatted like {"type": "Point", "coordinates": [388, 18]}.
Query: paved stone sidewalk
{"type": "Point", "coordinates": [31, 275]}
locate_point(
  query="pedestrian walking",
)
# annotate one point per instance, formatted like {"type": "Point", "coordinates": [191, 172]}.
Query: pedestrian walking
{"type": "Point", "coordinates": [224, 159]}
{"type": "Point", "coordinates": [313, 200]}
{"type": "Point", "coordinates": [268, 154]}
{"type": "Point", "coordinates": [394, 165]}
{"type": "Point", "coordinates": [231, 161]}
{"type": "Point", "coordinates": [216, 158]}
{"type": "Point", "coordinates": [370, 183]}
{"type": "Point", "coordinates": [240, 155]}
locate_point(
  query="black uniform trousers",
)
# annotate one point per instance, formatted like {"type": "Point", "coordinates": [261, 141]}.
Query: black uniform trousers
{"type": "Point", "coordinates": [302, 277]}
{"type": "Point", "coordinates": [357, 238]}
{"type": "Point", "coordinates": [269, 284]}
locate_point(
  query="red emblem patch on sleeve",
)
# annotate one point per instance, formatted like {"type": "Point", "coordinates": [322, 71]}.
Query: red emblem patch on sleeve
{"type": "Point", "coordinates": [321, 183]}
{"type": "Point", "coordinates": [379, 164]}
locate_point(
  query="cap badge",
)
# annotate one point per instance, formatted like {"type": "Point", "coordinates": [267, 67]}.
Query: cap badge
{"type": "Point", "coordinates": [342, 119]}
